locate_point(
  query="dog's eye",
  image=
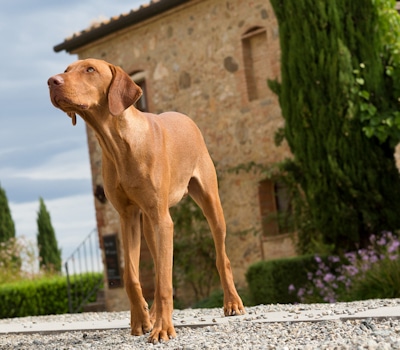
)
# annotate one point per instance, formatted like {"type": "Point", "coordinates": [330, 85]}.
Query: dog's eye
{"type": "Point", "coordinates": [90, 70]}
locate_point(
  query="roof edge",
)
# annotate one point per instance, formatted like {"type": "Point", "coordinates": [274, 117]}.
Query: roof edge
{"type": "Point", "coordinates": [143, 13]}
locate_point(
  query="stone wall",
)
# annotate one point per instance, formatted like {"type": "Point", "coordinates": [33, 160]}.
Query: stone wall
{"type": "Point", "coordinates": [194, 59]}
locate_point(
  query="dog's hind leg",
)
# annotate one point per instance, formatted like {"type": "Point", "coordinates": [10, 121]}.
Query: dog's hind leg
{"type": "Point", "coordinates": [204, 191]}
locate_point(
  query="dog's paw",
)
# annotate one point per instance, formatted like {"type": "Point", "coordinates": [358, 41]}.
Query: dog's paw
{"type": "Point", "coordinates": [141, 325]}
{"type": "Point", "coordinates": [159, 334]}
{"type": "Point", "coordinates": [235, 308]}
{"type": "Point", "coordinates": [139, 328]}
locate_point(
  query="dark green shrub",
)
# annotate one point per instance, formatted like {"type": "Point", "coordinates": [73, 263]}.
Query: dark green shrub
{"type": "Point", "coordinates": [43, 296]}
{"type": "Point", "coordinates": [34, 297]}
{"type": "Point", "coordinates": [269, 281]}
{"type": "Point", "coordinates": [216, 299]}
{"type": "Point", "coordinates": [372, 272]}
{"type": "Point", "coordinates": [380, 282]}
{"type": "Point", "coordinates": [83, 285]}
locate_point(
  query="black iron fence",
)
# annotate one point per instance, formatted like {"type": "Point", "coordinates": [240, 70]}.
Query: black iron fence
{"type": "Point", "coordinates": [84, 269]}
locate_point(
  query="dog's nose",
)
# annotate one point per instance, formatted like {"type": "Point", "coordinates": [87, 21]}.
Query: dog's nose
{"type": "Point", "coordinates": [55, 81]}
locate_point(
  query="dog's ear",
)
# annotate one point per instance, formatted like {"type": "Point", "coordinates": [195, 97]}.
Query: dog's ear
{"type": "Point", "coordinates": [123, 91]}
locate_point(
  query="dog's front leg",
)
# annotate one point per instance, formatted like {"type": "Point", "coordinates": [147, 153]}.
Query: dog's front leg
{"type": "Point", "coordinates": [149, 235]}
{"type": "Point", "coordinates": [130, 224]}
{"type": "Point", "coordinates": [162, 227]}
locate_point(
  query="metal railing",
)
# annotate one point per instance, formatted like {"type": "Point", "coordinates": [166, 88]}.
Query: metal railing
{"type": "Point", "coordinates": [84, 269]}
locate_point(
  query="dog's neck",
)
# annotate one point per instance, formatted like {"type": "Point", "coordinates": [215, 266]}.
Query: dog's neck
{"type": "Point", "coordinates": [114, 132]}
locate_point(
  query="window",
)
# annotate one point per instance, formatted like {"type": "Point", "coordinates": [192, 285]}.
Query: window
{"type": "Point", "coordinates": [275, 208]}
{"type": "Point", "coordinates": [254, 45]}
{"type": "Point", "coordinates": [140, 79]}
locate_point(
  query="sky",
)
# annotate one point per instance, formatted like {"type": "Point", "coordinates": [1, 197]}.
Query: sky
{"type": "Point", "coordinates": [41, 153]}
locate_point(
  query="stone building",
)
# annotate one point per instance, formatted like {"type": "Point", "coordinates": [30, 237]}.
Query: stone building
{"type": "Point", "coordinates": [211, 60]}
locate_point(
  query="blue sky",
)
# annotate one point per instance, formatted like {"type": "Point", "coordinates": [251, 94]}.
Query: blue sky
{"type": "Point", "coordinates": [41, 153]}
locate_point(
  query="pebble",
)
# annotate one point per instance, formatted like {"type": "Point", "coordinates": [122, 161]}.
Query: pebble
{"type": "Point", "coordinates": [245, 334]}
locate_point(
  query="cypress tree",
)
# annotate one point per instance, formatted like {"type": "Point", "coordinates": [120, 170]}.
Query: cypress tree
{"type": "Point", "coordinates": [331, 54]}
{"type": "Point", "coordinates": [49, 253]}
{"type": "Point", "coordinates": [7, 227]}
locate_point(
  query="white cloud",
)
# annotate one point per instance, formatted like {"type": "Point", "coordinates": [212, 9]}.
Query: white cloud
{"type": "Point", "coordinates": [62, 166]}
{"type": "Point", "coordinates": [72, 219]}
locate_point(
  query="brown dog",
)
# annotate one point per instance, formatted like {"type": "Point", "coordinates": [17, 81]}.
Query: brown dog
{"type": "Point", "coordinates": [149, 163]}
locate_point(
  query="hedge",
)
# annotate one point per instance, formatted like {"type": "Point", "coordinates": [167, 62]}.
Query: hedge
{"type": "Point", "coordinates": [43, 296]}
{"type": "Point", "coordinates": [269, 281]}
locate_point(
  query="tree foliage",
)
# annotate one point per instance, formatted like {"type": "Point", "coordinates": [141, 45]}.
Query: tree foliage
{"type": "Point", "coordinates": [7, 227]}
{"type": "Point", "coordinates": [49, 253]}
{"type": "Point", "coordinates": [334, 72]}
{"type": "Point", "coordinates": [380, 113]}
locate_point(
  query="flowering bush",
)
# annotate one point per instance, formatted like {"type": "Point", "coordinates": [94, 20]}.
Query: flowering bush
{"type": "Point", "coordinates": [336, 276]}
{"type": "Point", "coordinates": [18, 260]}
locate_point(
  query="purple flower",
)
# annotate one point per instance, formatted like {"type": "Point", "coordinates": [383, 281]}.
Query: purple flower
{"type": "Point", "coordinates": [330, 298]}
{"type": "Point", "coordinates": [341, 278]}
{"type": "Point", "coordinates": [393, 246]}
{"type": "Point", "coordinates": [329, 278]}
{"type": "Point", "coordinates": [351, 270]}
{"type": "Point", "coordinates": [363, 255]}
{"type": "Point", "coordinates": [381, 241]}
{"type": "Point", "coordinates": [351, 256]}
{"type": "Point", "coordinates": [291, 288]}
{"type": "Point", "coordinates": [373, 259]}
{"type": "Point", "coordinates": [332, 277]}
{"type": "Point", "coordinates": [334, 259]}
{"type": "Point", "coordinates": [319, 284]}
{"type": "Point", "coordinates": [388, 235]}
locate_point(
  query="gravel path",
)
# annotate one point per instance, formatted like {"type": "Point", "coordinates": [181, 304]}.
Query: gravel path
{"type": "Point", "coordinates": [247, 333]}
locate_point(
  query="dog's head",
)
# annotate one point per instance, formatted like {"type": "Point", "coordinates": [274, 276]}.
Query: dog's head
{"type": "Point", "coordinates": [92, 85]}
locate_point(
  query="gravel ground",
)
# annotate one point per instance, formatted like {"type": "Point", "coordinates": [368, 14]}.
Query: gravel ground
{"type": "Point", "coordinates": [247, 333]}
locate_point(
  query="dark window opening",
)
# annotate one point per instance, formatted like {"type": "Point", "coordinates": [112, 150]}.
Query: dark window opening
{"type": "Point", "coordinates": [140, 79]}
{"type": "Point", "coordinates": [275, 208]}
